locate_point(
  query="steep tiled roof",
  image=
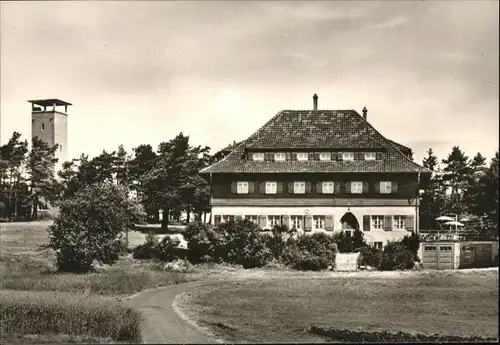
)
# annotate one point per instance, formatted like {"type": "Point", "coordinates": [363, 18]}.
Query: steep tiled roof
{"type": "Point", "coordinates": [315, 130]}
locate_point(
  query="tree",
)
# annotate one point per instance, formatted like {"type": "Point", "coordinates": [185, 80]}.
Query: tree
{"type": "Point", "coordinates": [12, 162]}
{"type": "Point", "coordinates": [432, 199]}
{"type": "Point", "coordinates": [475, 186]}
{"type": "Point", "coordinates": [140, 166]}
{"type": "Point", "coordinates": [89, 225]}
{"type": "Point", "coordinates": [455, 176]}
{"type": "Point", "coordinates": [40, 168]}
{"type": "Point", "coordinates": [121, 166]}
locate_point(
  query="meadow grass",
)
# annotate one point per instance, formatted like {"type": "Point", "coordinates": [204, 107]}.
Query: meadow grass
{"type": "Point", "coordinates": [27, 312]}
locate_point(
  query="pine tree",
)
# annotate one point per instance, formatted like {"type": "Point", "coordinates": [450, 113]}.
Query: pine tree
{"type": "Point", "coordinates": [456, 173]}
{"type": "Point", "coordinates": [432, 199]}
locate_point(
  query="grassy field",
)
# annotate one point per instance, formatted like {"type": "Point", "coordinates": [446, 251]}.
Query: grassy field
{"type": "Point", "coordinates": [283, 308]}
{"type": "Point", "coordinates": [30, 286]}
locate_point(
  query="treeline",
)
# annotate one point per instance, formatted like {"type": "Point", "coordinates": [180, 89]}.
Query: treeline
{"type": "Point", "coordinates": [164, 179]}
{"type": "Point", "coordinates": [167, 179]}
{"type": "Point", "coordinates": [467, 187]}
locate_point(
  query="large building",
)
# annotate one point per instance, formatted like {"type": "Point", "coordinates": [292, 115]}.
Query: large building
{"type": "Point", "coordinates": [49, 122]}
{"type": "Point", "coordinates": [320, 170]}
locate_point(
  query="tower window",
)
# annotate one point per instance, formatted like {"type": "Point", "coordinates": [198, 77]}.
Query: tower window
{"type": "Point", "coordinates": [43, 126]}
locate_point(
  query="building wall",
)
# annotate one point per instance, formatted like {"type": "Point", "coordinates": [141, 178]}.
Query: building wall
{"type": "Point", "coordinates": [55, 131]}
{"type": "Point", "coordinates": [373, 235]}
{"type": "Point", "coordinates": [407, 184]}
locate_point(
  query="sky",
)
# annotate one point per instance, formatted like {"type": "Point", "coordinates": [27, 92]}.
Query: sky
{"type": "Point", "coordinates": [141, 72]}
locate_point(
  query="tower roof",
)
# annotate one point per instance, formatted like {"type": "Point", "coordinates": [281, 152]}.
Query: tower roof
{"type": "Point", "coordinates": [49, 102]}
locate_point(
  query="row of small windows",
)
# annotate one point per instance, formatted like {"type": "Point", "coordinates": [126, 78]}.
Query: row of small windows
{"type": "Point", "coordinates": [304, 187]}
{"type": "Point", "coordinates": [322, 156]}
{"type": "Point", "coordinates": [323, 222]}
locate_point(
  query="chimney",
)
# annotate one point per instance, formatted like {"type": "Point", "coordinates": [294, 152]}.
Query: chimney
{"type": "Point", "coordinates": [315, 102]}
{"type": "Point", "coordinates": [365, 113]}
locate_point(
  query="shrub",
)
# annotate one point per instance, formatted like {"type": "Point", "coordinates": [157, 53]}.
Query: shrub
{"type": "Point", "coordinates": [412, 243]}
{"type": "Point", "coordinates": [204, 242]}
{"type": "Point", "coordinates": [88, 225]}
{"type": "Point", "coordinates": [311, 252]}
{"type": "Point", "coordinates": [397, 256]}
{"type": "Point", "coordinates": [165, 250]}
{"type": "Point", "coordinates": [371, 256]}
{"type": "Point", "coordinates": [181, 266]}
{"type": "Point", "coordinates": [67, 313]}
{"type": "Point", "coordinates": [347, 244]}
{"type": "Point", "coordinates": [281, 236]}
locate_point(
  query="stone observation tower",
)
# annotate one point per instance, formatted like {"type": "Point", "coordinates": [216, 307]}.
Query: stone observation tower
{"type": "Point", "coordinates": [49, 122]}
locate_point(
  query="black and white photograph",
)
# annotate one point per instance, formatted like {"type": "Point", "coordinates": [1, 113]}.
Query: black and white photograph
{"type": "Point", "coordinates": [209, 172]}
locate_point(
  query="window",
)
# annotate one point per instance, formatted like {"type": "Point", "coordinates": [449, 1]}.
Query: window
{"type": "Point", "coordinates": [385, 187]}
{"type": "Point", "coordinates": [299, 188]}
{"type": "Point", "coordinates": [348, 233]}
{"type": "Point", "coordinates": [325, 156]}
{"type": "Point", "coordinates": [356, 187]}
{"type": "Point", "coordinates": [327, 188]}
{"type": "Point", "coordinates": [253, 219]}
{"type": "Point", "coordinates": [377, 222]}
{"type": "Point", "coordinates": [399, 222]}
{"type": "Point", "coordinates": [302, 156]}
{"type": "Point", "coordinates": [258, 156]}
{"type": "Point", "coordinates": [370, 156]}
{"type": "Point", "coordinates": [271, 187]}
{"type": "Point", "coordinates": [242, 187]}
{"type": "Point", "coordinates": [227, 218]}
{"type": "Point", "coordinates": [378, 245]}
{"type": "Point", "coordinates": [348, 156]}
{"type": "Point", "coordinates": [272, 221]}
{"type": "Point", "coordinates": [296, 222]}
{"type": "Point", "coordinates": [280, 156]}
{"type": "Point", "coordinates": [319, 222]}
{"type": "Point", "coordinates": [43, 126]}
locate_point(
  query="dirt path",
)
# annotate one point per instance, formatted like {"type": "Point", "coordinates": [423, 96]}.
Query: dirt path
{"type": "Point", "coordinates": [163, 322]}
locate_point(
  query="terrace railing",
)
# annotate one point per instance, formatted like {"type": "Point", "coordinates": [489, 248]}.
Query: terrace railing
{"type": "Point", "coordinates": [427, 235]}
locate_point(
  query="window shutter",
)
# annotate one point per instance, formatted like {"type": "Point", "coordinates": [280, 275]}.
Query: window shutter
{"type": "Point", "coordinates": [217, 220]}
{"type": "Point", "coordinates": [339, 156]}
{"type": "Point", "coordinates": [262, 222]}
{"type": "Point", "coordinates": [268, 157]}
{"type": "Point", "coordinates": [251, 187]}
{"type": "Point", "coordinates": [290, 187]}
{"type": "Point", "coordinates": [308, 223]}
{"type": "Point", "coordinates": [262, 188]}
{"type": "Point", "coordinates": [329, 224]}
{"type": "Point", "coordinates": [334, 156]}
{"type": "Point", "coordinates": [366, 188]}
{"type": "Point", "coordinates": [238, 217]}
{"type": "Point", "coordinates": [394, 188]}
{"type": "Point", "coordinates": [388, 223]}
{"type": "Point", "coordinates": [347, 188]}
{"type": "Point", "coordinates": [378, 156]}
{"type": "Point", "coordinates": [376, 187]}
{"type": "Point", "coordinates": [234, 187]}
{"type": "Point", "coordinates": [310, 156]}
{"type": "Point", "coordinates": [285, 220]}
{"type": "Point", "coordinates": [288, 156]}
{"type": "Point", "coordinates": [409, 222]}
{"type": "Point", "coordinates": [319, 187]}
{"type": "Point", "coordinates": [358, 156]}
{"type": "Point", "coordinates": [366, 223]}
{"type": "Point", "coordinates": [279, 188]}
{"type": "Point", "coordinates": [249, 156]}
{"type": "Point", "coordinates": [308, 187]}
{"type": "Point", "coordinates": [336, 187]}
{"type": "Point", "coordinates": [294, 156]}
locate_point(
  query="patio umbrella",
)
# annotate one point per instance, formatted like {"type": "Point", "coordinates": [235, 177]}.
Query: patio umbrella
{"type": "Point", "coordinates": [445, 218]}
{"type": "Point", "coordinates": [454, 223]}
{"type": "Point", "coordinates": [465, 220]}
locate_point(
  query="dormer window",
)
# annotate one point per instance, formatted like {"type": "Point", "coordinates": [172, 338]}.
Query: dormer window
{"type": "Point", "coordinates": [348, 156]}
{"type": "Point", "coordinates": [302, 156]}
{"type": "Point", "coordinates": [43, 126]}
{"type": "Point", "coordinates": [280, 157]}
{"type": "Point", "coordinates": [370, 156]}
{"type": "Point", "coordinates": [258, 156]}
{"type": "Point", "coordinates": [325, 156]}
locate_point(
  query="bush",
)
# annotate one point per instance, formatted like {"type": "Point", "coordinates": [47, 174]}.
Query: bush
{"type": "Point", "coordinates": [165, 250]}
{"type": "Point", "coordinates": [279, 239]}
{"type": "Point", "coordinates": [311, 252]}
{"type": "Point", "coordinates": [347, 244]}
{"type": "Point", "coordinates": [397, 257]}
{"type": "Point", "coordinates": [88, 225]}
{"type": "Point", "coordinates": [181, 266]}
{"type": "Point", "coordinates": [65, 313]}
{"type": "Point", "coordinates": [204, 242]}
{"type": "Point", "coordinates": [412, 243]}
{"type": "Point", "coordinates": [371, 256]}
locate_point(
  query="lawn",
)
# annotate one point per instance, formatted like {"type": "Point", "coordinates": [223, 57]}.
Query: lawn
{"type": "Point", "coordinates": [29, 285]}
{"type": "Point", "coordinates": [283, 308]}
